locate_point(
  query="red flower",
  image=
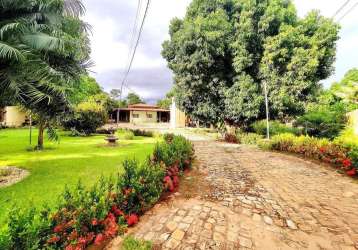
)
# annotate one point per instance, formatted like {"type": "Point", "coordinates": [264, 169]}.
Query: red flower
{"type": "Point", "coordinates": [176, 181]}
{"type": "Point", "coordinates": [94, 222]}
{"type": "Point", "coordinates": [132, 219]}
{"type": "Point", "coordinates": [347, 163]}
{"type": "Point", "coordinates": [99, 239]}
{"type": "Point", "coordinates": [168, 183]}
{"type": "Point", "coordinates": [117, 211]}
{"type": "Point", "coordinates": [352, 172]}
{"type": "Point", "coordinates": [54, 239]}
{"type": "Point", "coordinates": [58, 228]}
{"type": "Point", "coordinates": [322, 150]}
{"type": "Point", "coordinates": [73, 235]}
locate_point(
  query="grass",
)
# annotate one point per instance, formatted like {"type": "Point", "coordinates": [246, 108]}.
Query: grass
{"type": "Point", "coordinates": [130, 243]}
{"type": "Point", "coordinates": [60, 164]}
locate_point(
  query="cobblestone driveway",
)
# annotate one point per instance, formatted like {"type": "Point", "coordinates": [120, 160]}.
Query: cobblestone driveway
{"type": "Point", "coordinates": [256, 200]}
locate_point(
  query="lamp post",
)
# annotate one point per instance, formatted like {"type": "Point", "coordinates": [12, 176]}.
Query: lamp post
{"type": "Point", "coordinates": [267, 112]}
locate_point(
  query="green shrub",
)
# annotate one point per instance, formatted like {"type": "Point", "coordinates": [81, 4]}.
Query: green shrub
{"type": "Point", "coordinates": [139, 132]}
{"type": "Point", "coordinates": [86, 118]}
{"type": "Point", "coordinates": [276, 128]}
{"type": "Point", "coordinates": [324, 120]}
{"type": "Point", "coordinates": [249, 138]}
{"type": "Point", "coordinates": [142, 185]}
{"type": "Point", "coordinates": [175, 150]}
{"type": "Point", "coordinates": [130, 243]}
{"type": "Point", "coordinates": [128, 135]}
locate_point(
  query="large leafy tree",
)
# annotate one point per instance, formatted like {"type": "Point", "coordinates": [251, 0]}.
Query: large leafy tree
{"type": "Point", "coordinates": [223, 50]}
{"type": "Point", "coordinates": [43, 49]}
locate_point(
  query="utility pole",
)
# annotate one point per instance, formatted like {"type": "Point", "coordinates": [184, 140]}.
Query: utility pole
{"type": "Point", "coordinates": [267, 112]}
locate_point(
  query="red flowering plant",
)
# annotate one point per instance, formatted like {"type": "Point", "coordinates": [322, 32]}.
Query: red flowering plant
{"type": "Point", "coordinates": [92, 216]}
{"type": "Point", "coordinates": [340, 156]}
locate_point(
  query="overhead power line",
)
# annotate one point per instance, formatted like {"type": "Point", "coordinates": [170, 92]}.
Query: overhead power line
{"type": "Point", "coordinates": [135, 47]}
{"type": "Point", "coordinates": [348, 11]}
{"type": "Point", "coordinates": [134, 32]}
{"type": "Point", "coordinates": [341, 8]}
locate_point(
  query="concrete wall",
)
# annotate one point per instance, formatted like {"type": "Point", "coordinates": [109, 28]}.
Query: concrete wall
{"type": "Point", "coordinates": [177, 117]}
{"type": "Point", "coordinates": [14, 116]}
{"type": "Point", "coordinates": [142, 117]}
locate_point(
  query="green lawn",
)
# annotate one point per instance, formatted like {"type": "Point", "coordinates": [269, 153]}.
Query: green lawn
{"type": "Point", "coordinates": [73, 159]}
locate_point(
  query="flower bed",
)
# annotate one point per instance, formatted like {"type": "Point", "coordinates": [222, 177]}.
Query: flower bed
{"type": "Point", "coordinates": [341, 156]}
{"type": "Point", "coordinates": [85, 216]}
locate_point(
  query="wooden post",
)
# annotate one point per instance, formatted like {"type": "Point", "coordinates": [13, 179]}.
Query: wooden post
{"type": "Point", "coordinates": [117, 116]}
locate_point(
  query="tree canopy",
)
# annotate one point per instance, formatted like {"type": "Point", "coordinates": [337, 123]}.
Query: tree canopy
{"type": "Point", "coordinates": [133, 98]}
{"type": "Point", "coordinates": [223, 50]}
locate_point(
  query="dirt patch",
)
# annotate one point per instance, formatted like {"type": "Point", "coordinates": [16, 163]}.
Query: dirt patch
{"type": "Point", "coordinates": [11, 175]}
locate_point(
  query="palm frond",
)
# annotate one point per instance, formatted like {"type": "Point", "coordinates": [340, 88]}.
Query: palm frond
{"type": "Point", "coordinates": [74, 8]}
{"type": "Point", "coordinates": [52, 134]}
{"type": "Point", "coordinates": [10, 53]}
{"type": "Point", "coordinates": [42, 41]}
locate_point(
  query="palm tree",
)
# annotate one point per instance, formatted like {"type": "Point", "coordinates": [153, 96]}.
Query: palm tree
{"type": "Point", "coordinates": [43, 48]}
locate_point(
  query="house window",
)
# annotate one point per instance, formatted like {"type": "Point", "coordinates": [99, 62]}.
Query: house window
{"type": "Point", "coordinates": [135, 115]}
{"type": "Point", "coordinates": [149, 116]}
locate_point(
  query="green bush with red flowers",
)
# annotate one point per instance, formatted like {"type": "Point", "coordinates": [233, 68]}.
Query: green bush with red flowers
{"type": "Point", "coordinates": [85, 216]}
{"type": "Point", "coordinates": [340, 155]}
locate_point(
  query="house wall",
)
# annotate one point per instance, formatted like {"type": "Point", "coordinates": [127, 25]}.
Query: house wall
{"type": "Point", "coordinates": [142, 117]}
{"type": "Point", "coordinates": [14, 116]}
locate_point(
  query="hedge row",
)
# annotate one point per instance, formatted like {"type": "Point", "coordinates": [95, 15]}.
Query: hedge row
{"type": "Point", "coordinates": [340, 155]}
{"type": "Point", "coordinates": [86, 216]}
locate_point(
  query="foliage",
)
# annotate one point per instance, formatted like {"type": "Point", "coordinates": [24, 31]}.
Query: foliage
{"type": "Point", "coordinates": [324, 119]}
{"type": "Point", "coordinates": [249, 138]}
{"type": "Point", "coordinates": [130, 243]}
{"type": "Point", "coordinates": [87, 117]}
{"type": "Point", "coordinates": [43, 48]}
{"type": "Point", "coordinates": [139, 132]}
{"type": "Point", "coordinates": [167, 100]}
{"type": "Point", "coordinates": [87, 86]}
{"type": "Point", "coordinates": [276, 127]}
{"type": "Point", "coordinates": [90, 216]}
{"type": "Point", "coordinates": [128, 135]}
{"type": "Point", "coordinates": [223, 50]}
{"type": "Point", "coordinates": [177, 151]}
{"type": "Point", "coordinates": [338, 155]}
{"type": "Point", "coordinates": [347, 88]}
{"type": "Point", "coordinates": [133, 98]}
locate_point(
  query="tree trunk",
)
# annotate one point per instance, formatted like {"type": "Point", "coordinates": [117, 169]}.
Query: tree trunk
{"type": "Point", "coordinates": [40, 138]}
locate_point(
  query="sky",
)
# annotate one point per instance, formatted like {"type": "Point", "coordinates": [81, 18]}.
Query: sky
{"type": "Point", "coordinates": [112, 22]}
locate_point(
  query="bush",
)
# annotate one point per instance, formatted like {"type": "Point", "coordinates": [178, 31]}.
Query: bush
{"type": "Point", "coordinates": [130, 243]}
{"type": "Point", "coordinates": [338, 155]}
{"type": "Point", "coordinates": [86, 118]}
{"type": "Point", "coordinates": [85, 216]}
{"type": "Point", "coordinates": [139, 132]}
{"type": "Point", "coordinates": [128, 135]}
{"type": "Point", "coordinates": [323, 120]}
{"type": "Point", "coordinates": [276, 128]}
{"type": "Point", "coordinates": [249, 138]}
{"type": "Point", "coordinates": [176, 151]}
